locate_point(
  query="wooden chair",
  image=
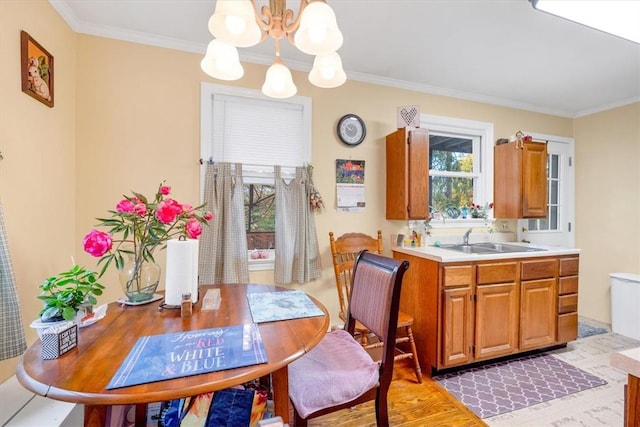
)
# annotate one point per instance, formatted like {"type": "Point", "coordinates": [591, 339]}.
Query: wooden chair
{"type": "Point", "coordinates": [344, 250]}
{"type": "Point", "coordinates": [338, 373]}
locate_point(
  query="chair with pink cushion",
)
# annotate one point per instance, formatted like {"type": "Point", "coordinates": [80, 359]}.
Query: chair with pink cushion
{"type": "Point", "coordinates": [338, 373]}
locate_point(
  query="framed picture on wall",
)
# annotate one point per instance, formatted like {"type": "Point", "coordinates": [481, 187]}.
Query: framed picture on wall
{"type": "Point", "coordinates": [37, 70]}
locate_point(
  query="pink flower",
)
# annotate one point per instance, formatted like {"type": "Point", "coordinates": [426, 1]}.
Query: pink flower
{"type": "Point", "coordinates": [193, 228]}
{"type": "Point", "coordinates": [125, 206]}
{"type": "Point", "coordinates": [187, 208]}
{"type": "Point", "coordinates": [140, 209]}
{"type": "Point", "coordinates": [168, 210]}
{"type": "Point", "coordinates": [208, 216]}
{"type": "Point", "coordinates": [97, 243]}
{"type": "Point", "coordinates": [165, 190]}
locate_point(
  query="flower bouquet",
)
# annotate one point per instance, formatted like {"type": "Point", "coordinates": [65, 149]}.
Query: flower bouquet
{"type": "Point", "coordinates": [136, 228]}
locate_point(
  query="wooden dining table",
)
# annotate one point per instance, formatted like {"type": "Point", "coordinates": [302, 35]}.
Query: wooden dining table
{"type": "Point", "coordinates": [82, 374]}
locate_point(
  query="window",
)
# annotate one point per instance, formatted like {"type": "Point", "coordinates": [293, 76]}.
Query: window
{"type": "Point", "coordinates": [460, 167]}
{"type": "Point", "coordinates": [244, 126]}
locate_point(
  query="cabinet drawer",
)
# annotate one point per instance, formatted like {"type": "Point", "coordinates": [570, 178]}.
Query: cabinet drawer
{"type": "Point", "coordinates": [567, 327]}
{"type": "Point", "coordinates": [569, 266]}
{"type": "Point", "coordinates": [567, 303]}
{"type": "Point", "coordinates": [496, 273]}
{"type": "Point", "coordinates": [568, 285]}
{"type": "Point", "coordinates": [539, 269]}
{"type": "Point", "coordinates": [457, 275]}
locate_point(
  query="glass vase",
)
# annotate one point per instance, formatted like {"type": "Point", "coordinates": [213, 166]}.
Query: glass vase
{"type": "Point", "coordinates": [139, 280]}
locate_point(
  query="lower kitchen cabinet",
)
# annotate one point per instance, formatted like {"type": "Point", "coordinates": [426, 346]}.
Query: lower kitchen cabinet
{"type": "Point", "coordinates": [466, 312]}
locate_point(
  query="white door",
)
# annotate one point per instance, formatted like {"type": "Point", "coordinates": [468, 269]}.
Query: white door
{"type": "Point", "coordinates": [557, 229]}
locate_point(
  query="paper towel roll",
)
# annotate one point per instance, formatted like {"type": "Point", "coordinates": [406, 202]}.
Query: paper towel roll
{"type": "Point", "coordinates": [182, 270]}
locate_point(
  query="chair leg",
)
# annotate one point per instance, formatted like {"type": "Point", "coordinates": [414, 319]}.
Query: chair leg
{"type": "Point", "coordinates": [416, 362]}
{"type": "Point", "coordinates": [382, 410]}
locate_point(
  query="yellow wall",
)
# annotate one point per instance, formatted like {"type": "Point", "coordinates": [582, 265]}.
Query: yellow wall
{"type": "Point", "coordinates": [127, 116]}
{"type": "Point", "coordinates": [37, 175]}
{"type": "Point", "coordinates": [607, 203]}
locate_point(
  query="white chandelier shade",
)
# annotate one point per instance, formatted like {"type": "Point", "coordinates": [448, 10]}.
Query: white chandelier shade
{"type": "Point", "coordinates": [318, 32]}
{"type": "Point", "coordinates": [234, 22]}
{"type": "Point", "coordinates": [222, 61]}
{"type": "Point", "coordinates": [237, 23]}
{"type": "Point", "coordinates": [278, 82]}
{"type": "Point", "coordinates": [327, 71]}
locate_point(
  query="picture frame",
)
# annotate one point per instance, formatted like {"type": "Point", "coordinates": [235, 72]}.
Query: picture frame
{"type": "Point", "coordinates": [36, 65]}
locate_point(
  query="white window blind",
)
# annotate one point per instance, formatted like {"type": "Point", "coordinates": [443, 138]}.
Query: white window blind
{"type": "Point", "coordinates": [243, 126]}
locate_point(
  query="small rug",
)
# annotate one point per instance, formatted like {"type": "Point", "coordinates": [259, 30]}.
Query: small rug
{"type": "Point", "coordinates": [502, 387]}
{"type": "Point", "coordinates": [585, 330]}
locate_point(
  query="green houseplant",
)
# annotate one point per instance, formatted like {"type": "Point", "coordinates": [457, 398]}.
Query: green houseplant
{"type": "Point", "coordinates": [65, 292]}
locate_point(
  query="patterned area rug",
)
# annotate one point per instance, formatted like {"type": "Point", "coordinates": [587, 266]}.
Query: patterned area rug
{"type": "Point", "coordinates": [586, 330]}
{"type": "Point", "coordinates": [502, 387]}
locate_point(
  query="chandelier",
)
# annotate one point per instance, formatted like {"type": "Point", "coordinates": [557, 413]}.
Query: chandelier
{"type": "Point", "coordinates": [237, 23]}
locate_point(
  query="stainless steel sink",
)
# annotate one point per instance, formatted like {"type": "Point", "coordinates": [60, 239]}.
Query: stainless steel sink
{"type": "Point", "coordinates": [489, 248]}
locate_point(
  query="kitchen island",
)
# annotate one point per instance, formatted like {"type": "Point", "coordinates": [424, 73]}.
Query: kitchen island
{"type": "Point", "coordinates": [475, 307]}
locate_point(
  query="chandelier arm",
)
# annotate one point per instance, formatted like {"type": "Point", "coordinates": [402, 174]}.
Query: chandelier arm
{"type": "Point", "coordinates": [264, 18]}
{"type": "Point", "coordinates": [289, 29]}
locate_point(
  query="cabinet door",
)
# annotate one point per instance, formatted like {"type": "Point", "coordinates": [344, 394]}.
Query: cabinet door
{"type": "Point", "coordinates": [418, 203]}
{"type": "Point", "coordinates": [534, 180]}
{"type": "Point", "coordinates": [496, 320]}
{"type": "Point", "coordinates": [457, 322]}
{"type": "Point", "coordinates": [538, 313]}
{"type": "Point", "coordinates": [407, 166]}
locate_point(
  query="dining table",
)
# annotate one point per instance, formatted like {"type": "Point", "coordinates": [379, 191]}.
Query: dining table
{"type": "Point", "coordinates": [82, 375]}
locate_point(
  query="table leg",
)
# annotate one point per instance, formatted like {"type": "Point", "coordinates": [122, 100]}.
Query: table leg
{"type": "Point", "coordinates": [280, 385]}
{"type": "Point", "coordinates": [95, 415]}
{"type": "Point", "coordinates": [632, 410]}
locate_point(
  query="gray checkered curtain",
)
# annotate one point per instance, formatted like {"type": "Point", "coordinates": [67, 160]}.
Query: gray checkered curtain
{"type": "Point", "coordinates": [297, 253]}
{"type": "Point", "coordinates": [13, 341]}
{"type": "Point", "coordinates": [223, 244]}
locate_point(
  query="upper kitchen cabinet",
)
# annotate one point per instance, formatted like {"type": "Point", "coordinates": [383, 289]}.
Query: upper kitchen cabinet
{"type": "Point", "coordinates": [520, 180]}
{"type": "Point", "coordinates": [408, 174]}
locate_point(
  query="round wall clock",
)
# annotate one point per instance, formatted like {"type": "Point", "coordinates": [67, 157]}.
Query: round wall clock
{"type": "Point", "coordinates": [351, 129]}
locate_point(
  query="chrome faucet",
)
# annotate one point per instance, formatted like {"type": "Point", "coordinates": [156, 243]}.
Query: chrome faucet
{"type": "Point", "coordinates": [465, 238]}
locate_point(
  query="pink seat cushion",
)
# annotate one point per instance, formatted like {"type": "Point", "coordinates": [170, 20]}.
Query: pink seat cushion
{"type": "Point", "coordinates": [335, 371]}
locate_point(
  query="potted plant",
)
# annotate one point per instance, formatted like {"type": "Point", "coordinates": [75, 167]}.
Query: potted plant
{"type": "Point", "coordinates": [64, 293]}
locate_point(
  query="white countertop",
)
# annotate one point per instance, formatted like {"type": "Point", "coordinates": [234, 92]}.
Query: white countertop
{"type": "Point", "coordinates": [447, 255]}
{"type": "Point", "coordinates": [627, 361]}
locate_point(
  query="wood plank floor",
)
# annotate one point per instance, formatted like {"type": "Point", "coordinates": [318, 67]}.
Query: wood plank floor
{"type": "Point", "coordinates": [410, 405]}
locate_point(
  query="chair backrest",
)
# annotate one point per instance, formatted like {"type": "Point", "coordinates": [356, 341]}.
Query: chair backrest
{"type": "Point", "coordinates": [344, 250]}
{"type": "Point", "coordinates": [375, 302]}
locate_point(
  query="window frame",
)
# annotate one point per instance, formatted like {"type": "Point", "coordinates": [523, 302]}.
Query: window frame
{"type": "Point", "coordinates": [259, 174]}
{"type": "Point", "coordinates": [483, 172]}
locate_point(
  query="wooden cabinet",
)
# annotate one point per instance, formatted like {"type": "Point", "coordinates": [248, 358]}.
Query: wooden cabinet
{"type": "Point", "coordinates": [466, 312]}
{"type": "Point", "coordinates": [520, 180]}
{"type": "Point", "coordinates": [407, 174]}
{"type": "Point", "coordinates": [568, 299]}
{"type": "Point", "coordinates": [538, 310]}
{"type": "Point", "coordinates": [458, 316]}
{"type": "Point", "coordinates": [497, 310]}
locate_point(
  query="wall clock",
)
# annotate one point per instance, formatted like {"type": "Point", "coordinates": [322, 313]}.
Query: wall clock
{"type": "Point", "coordinates": [351, 129]}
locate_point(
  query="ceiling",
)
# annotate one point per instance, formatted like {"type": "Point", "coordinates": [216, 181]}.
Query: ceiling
{"type": "Point", "coordinates": [501, 52]}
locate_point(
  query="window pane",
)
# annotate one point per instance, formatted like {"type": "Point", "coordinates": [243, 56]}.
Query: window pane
{"type": "Point", "coordinates": [553, 192]}
{"type": "Point", "coordinates": [533, 225]}
{"type": "Point", "coordinates": [553, 173]}
{"type": "Point", "coordinates": [449, 192]}
{"type": "Point", "coordinates": [553, 217]}
{"type": "Point", "coordinates": [259, 207]}
{"type": "Point", "coordinates": [450, 154]}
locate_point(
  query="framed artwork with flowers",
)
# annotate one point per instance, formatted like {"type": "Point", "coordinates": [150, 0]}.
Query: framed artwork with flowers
{"type": "Point", "coordinates": [36, 65]}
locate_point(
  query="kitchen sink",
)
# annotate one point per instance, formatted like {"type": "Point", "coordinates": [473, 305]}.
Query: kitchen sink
{"type": "Point", "coordinates": [489, 248]}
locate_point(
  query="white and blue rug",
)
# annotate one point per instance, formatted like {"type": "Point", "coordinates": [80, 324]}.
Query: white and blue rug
{"type": "Point", "coordinates": [586, 330]}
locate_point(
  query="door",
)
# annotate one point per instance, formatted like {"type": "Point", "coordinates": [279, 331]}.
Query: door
{"type": "Point", "coordinates": [557, 228]}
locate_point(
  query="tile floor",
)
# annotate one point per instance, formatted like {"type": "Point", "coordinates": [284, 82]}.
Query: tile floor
{"type": "Point", "coordinates": [600, 406]}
